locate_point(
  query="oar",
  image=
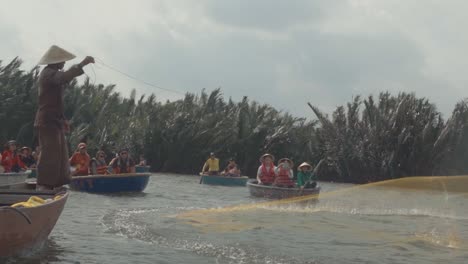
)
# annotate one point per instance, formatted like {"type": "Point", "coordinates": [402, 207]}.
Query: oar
{"type": "Point", "coordinates": [201, 177]}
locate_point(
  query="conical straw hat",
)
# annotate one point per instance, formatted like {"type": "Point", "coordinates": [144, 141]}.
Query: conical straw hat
{"type": "Point", "coordinates": [267, 155]}
{"type": "Point", "coordinates": [55, 54]}
{"type": "Point", "coordinates": [304, 164]}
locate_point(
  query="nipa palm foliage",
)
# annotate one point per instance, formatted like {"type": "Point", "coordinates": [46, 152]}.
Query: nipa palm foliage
{"type": "Point", "coordinates": [366, 140]}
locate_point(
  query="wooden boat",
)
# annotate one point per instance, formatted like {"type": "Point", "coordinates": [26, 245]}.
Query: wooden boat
{"type": "Point", "coordinates": [111, 183]}
{"type": "Point", "coordinates": [273, 192]}
{"type": "Point", "coordinates": [142, 168]}
{"type": "Point", "coordinates": [223, 180]}
{"type": "Point", "coordinates": [13, 177]}
{"type": "Point", "coordinates": [24, 229]}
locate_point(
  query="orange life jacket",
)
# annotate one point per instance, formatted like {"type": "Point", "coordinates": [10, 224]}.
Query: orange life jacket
{"type": "Point", "coordinates": [122, 167]}
{"type": "Point", "coordinates": [283, 177]}
{"type": "Point", "coordinates": [101, 167]}
{"type": "Point", "coordinates": [9, 160]}
{"type": "Point", "coordinates": [81, 162]}
{"type": "Point", "coordinates": [267, 176]}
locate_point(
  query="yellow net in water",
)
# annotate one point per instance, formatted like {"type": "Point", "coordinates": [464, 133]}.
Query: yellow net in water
{"type": "Point", "coordinates": [431, 207]}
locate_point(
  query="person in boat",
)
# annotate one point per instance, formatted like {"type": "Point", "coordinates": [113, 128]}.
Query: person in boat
{"type": "Point", "coordinates": [231, 170]}
{"type": "Point", "coordinates": [306, 178]}
{"type": "Point", "coordinates": [142, 160]}
{"type": "Point", "coordinates": [36, 153]}
{"type": "Point", "coordinates": [10, 159]}
{"type": "Point", "coordinates": [284, 173]}
{"type": "Point", "coordinates": [53, 169]}
{"type": "Point", "coordinates": [123, 163]}
{"type": "Point", "coordinates": [26, 157]}
{"type": "Point", "coordinates": [80, 160]}
{"type": "Point", "coordinates": [266, 172]}
{"type": "Point", "coordinates": [211, 166]}
{"type": "Point", "coordinates": [98, 164]}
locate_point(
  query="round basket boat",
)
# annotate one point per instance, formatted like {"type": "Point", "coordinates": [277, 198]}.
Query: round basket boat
{"type": "Point", "coordinates": [223, 180]}
{"type": "Point", "coordinates": [273, 192]}
{"type": "Point", "coordinates": [111, 183]}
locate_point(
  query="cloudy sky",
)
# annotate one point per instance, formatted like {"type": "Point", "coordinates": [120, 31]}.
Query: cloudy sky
{"type": "Point", "coordinates": [284, 53]}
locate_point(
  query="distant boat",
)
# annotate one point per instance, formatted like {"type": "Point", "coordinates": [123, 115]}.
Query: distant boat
{"type": "Point", "coordinates": [33, 173]}
{"type": "Point", "coordinates": [223, 180]}
{"type": "Point", "coordinates": [13, 177]}
{"type": "Point", "coordinates": [111, 183]}
{"type": "Point", "coordinates": [273, 192]}
{"type": "Point", "coordinates": [24, 229]}
{"type": "Point", "coordinates": [142, 168]}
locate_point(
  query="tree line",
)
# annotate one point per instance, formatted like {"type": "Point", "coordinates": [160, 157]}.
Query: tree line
{"type": "Point", "coordinates": [369, 139]}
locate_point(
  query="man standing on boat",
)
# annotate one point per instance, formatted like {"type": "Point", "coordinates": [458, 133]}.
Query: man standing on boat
{"type": "Point", "coordinates": [212, 165]}
{"type": "Point", "coordinates": [53, 169]}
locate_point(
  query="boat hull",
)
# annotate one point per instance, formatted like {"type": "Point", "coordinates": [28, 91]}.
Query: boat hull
{"type": "Point", "coordinates": [112, 183]}
{"type": "Point", "coordinates": [13, 177]}
{"type": "Point", "coordinates": [17, 235]}
{"type": "Point", "coordinates": [273, 192]}
{"type": "Point", "coordinates": [223, 181]}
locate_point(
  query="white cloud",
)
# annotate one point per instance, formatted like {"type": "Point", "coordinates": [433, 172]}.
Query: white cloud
{"type": "Point", "coordinates": [280, 52]}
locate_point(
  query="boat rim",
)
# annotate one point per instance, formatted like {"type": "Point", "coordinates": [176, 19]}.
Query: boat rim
{"type": "Point", "coordinates": [254, 184]}
{"type": "Point", "coordinates": [121, 175]}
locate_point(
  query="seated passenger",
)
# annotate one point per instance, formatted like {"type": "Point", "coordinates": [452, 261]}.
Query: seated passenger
{"type": "Point", "coordinates": [266, 171]}
{"type": "Point", "coordinates": [142, 160]}
{"type": "Point", "coordinates": [284, 173]}
{"type": "Point", "coordinates": [123, 163]}
{"type": "Point", "coordinates": [306, 178]}
{"type": "Point", "coordinates": [10, 159]}
{"type": "Point", "coordinates": [232, 170]}
{"type": "Point", "coordinates": [80, 161]}
{"type": "Point", "coordinates": [26, 158]}
{"type": "Point", "coordinates": [98, 164]}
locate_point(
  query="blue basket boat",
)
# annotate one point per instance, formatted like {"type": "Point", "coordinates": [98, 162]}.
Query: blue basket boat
{"type": "Point", "coordinates": [111, 183]}
{"type": "Point", "coordinates": [224, 181]}
{"type": "Point", "coordinates": [142, 168]}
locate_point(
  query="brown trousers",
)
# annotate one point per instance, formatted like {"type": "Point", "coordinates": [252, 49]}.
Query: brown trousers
{"type": "Point", "coordinates": [53, 168]}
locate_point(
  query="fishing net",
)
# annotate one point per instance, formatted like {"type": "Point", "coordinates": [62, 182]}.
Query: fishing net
{"type": "Point", "coordinates": [408, 210]}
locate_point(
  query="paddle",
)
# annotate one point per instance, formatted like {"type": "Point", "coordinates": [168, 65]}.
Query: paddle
{"type": "Point", "coordinates": [316, 169]}
{"type": "Point", "coordinates": [201, 177]}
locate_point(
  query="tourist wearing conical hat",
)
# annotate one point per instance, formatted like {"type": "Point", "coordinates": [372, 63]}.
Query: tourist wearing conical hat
{"type": "Point", "coordinates": [266, 172]}
{"type": "Point", "coordinates": [284, 173]}
{"type": "Point", "coordinates": [53, 169]}
{"type": "Point", "coordinates": [306, 178]}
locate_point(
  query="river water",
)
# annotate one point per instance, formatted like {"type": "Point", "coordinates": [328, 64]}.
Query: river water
{"type": "Point", "coordinates": [348, 224]}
